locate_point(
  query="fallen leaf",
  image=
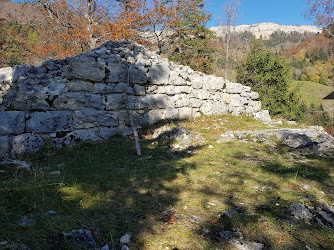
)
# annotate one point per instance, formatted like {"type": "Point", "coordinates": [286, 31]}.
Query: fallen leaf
{"type": "Point", "coordinates": [172, 219]}
{"type": "Point", "coordinates": [279, 240]}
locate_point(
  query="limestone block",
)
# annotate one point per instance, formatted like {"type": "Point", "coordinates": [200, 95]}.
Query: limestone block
{"type": "Point", "coordinates": [216, 96]}
{"type": "Point", "coordinates": [88, 118]}
{"type": "Point", "coordinates": [138, 74]}
{"type": "Point", "coordinates": [21, 72]}
{"type": "Point", "coordinates": [249, 110]}
{"type": "Point", "coordinates": [124, 130]}
{"type": "Point", "coordinates": [85, 68]}
{"type": "Point", "coordinates": [80, 85]}
{"type": "Point", "coordinates": [70, 101]}
{"type": "Point", "coordinates": [196, 81]}
{"type": "Point", "coordinates": [235, 100]}
{"type": "Point", "coordinates": [181, 100]}
{"type": "Point", "coordinates": [50, 65]}
{"type": "Point", "coordinates": [50, 121]}
{"type": "Point", "coordinates": [115, 102]}
{"type": "Point", "coordinates": [213, 83]}
{"type": "Point", "coordinates": [94, 101]}
{"type": "Point", "coordinates": [117, 72]}
{"type": "Point", "coordinates": [170, 90]}
{"type": "Point", "coordinates": [226, 98]}
{"type": "Point", "coordinates": [159, 74]}
{"type": "Point", "coordinates": [153, 116]}
{"type": "Point", "coordinates": [263, 115]}
{"type": "Point", "coordinates": [162, 101]}
{"type": "Point", "coordinates": [207, 108]}
{"type": "Point", "coordinates": [26, 143]}
{"type": "Point", "coordinates": [245, 89]}
{"type": "Point", "coordinates": [177, 80]}
{"type": "Point", "coordinates": [177, 89]}
{"type": "Point", "coordinates": [101, 88]}
{"type": "Point", "coordinates": [31, 101]}
{"type": "Point", "coordinates": [195, 103]}
{"type": "Point", "coordinates": [185, 113]}
{"type": "Point", "coordinates": [233, 88]}
{"type": "Point", "coordinates": [201, 94]}
{"type": "Point", "coordinates": [244, 100]}
{"type": "Point", "coordinates": [147, 102]}
{"type": "Point", "coordinates": [105, 132]}
{"type": "Point", "coordinates": [219, 83]}
{"type": "Point", "coordinates": [256, 105]}
{"type": "Point", "coordinates": [139, 119]}
{"type": "Point", "coordinates": [132, 102]}
{"type": "Point", "coordinates": [153, 89]}
{"type": "Point", "coordinates": [161, 90]}
{"type": "Point", "coordinates": [123, 118]}
{"type": "Point", "coordinates": [141, 102]}
{"type": "Point", "coordinates": [4, 147]}
{"type": "Point", "coordinates": [186, 89]}
{"type": "Point", "coordinates": [6, 75]}
{"type": "Point", "coordinates": [139, 90]}
{"type": "Point", "coordinates": [121, 87]}
{"type": "Point", "coordinates": [254, 95]}
{"type": "Point", "coordinates": [213, 108]}
{"type": "Point", "coordinates": [236, 111]}
{"type": "Point", "coordinates": [12, 122]}
{"type": "Point", "coordinates": [54, 87]}
{"type": "Point", "coordinates": [171, 114]}
{"type": "Point", "coordinates": [245, 94]}
{"type": "Point", "coordinates": [90, 134]}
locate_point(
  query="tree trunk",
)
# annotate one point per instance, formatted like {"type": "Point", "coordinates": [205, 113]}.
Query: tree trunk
{"type": "Point", "coordinates": [227, 50]}
{"type": "Point", "coordinates": [134, 129]}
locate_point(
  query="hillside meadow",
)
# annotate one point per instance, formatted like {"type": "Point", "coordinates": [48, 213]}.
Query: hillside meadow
{"type": "Point", "coordinates": [169, 197]}
{"type": "Point", "coordinates": [311, 92]}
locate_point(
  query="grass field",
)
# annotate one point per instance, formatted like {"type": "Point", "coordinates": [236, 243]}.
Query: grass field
{"type": "Point", "coordinates": [311, 92]}
{"type": "Point", "coordinates": [107, 189]}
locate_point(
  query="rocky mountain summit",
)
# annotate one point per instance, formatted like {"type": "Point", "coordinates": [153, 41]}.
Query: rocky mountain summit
{"type": "Point", "coordinates": [267, 29]}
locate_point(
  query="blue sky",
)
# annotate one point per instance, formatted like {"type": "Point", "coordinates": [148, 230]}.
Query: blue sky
{"type": "Point", "coordinates": [289, 12]}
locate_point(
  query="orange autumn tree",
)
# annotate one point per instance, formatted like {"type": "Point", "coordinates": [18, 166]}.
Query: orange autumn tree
{"type": "Point", "coordinates": [128, 18]}
{"type": "Point", "coordinates": [73, 26]}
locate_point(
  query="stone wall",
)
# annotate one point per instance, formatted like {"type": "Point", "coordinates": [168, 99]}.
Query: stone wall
{"type": "Point", "coordinates": [83, 97]}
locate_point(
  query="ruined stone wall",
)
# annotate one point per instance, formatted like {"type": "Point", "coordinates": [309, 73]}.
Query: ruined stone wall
{"type": "Point", "coordinates": [83, 97]}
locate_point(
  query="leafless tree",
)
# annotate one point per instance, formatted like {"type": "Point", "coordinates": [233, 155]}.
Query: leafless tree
{"type": "Point", "coordinates": [322, 12]}
{"type": "Point", "coordinates": [229, 19]}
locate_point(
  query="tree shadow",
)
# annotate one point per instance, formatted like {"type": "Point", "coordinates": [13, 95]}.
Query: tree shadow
{"type": "Point", "coordinates": [104, 187]}
{"type": "Point", "coordinates": [264, 217]}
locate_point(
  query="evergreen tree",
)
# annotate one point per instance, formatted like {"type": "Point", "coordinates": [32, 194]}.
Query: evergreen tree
{"type": "Point", "coordinates": [268, 74]}
{"type": "Point", "coordinates": [191, 44]}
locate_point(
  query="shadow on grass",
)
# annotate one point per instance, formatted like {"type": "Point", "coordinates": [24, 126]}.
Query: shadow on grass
{"type": "Point", "coordinates": [104, 187]}
{"type": "Point", "coordinates": [266, 218]}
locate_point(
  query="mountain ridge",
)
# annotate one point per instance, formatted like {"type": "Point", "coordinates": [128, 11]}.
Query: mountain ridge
{"type": "Point", "coordinates": [266, 29]}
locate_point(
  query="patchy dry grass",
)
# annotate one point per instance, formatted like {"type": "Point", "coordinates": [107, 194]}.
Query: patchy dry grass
{"type": "Point", "coordinates": [106, 188]}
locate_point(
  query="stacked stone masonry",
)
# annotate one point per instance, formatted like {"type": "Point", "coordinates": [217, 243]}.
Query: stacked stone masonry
{"type": "Point", "coordinates": [87, 97]}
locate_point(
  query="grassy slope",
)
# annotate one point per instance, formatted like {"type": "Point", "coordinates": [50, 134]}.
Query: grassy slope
{"type": "Point", "coordinates": [312, 92]}
{"type": "Point", "coordinates": [107, 189]}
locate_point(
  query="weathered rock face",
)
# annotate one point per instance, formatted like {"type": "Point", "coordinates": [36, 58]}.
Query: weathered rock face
{"type": "Point", "coordinates": [86, 97]}
{"type": "Point", "coordinates": [313, 138]}
{"type": "Point", "coordinates": [265, 30]}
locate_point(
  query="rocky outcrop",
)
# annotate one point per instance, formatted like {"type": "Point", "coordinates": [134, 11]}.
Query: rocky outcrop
{"type": "Point", "coordinates": [314, 138]}
{"type": "Point", "coordinates": [87, 97]}
{"type": "Point", "coordinates": [267, 29]}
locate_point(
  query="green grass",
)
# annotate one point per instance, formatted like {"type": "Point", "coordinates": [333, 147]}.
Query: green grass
{"type": "Point", "coordinates": [106, 188]}
{"type": "Point", "coordinates": [311, 92]}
